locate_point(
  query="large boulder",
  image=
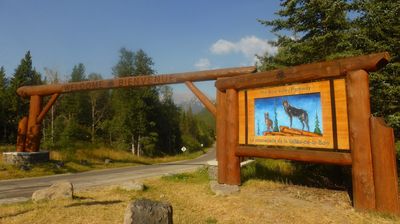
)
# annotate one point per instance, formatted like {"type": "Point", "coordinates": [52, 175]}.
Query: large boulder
{"type": "Point", "coordinates": [61, 190]}
{"type": "Point", "coordinates": [148, 212]}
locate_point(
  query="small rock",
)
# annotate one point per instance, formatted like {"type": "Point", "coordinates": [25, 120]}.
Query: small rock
{"type": "Point", "coordinates": [107, 161]}
{"type": "Point", "coordinates": [223, 189]}
{"type": "Point", "coordinates": [24, 167]}
{"type": "Point", "coordinates": [132, 186]}
{"type": "Point", "coordinates": [147, 211]}
{"type": "Point", "coordinates": [84, 162]}
{"type": "Point", "coordinates": [59, 164]}
{"type": "Point", "coordinates": [61, 190]}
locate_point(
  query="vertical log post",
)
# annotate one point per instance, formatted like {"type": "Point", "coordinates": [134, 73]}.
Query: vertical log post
{"type": "Point", "coordinates": [385, 167]}
{"type": "Point", "coordinates": [221, 137]}
{"type": "Point", "coordinates": [21, 137]}
{"type": "Point", "coordinates": [359, 114]}
{"type": "Point", "coordinates": [232, 137]}
{"type": "Point", "coordinates": [32, 143]}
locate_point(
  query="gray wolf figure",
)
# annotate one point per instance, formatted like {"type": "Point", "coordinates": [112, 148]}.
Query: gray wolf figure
{"type": "Point", "coordinates": [296, 112]}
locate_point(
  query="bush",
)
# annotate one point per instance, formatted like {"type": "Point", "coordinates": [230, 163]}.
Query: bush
{"type": "Point", "coordinates": [190, 143]}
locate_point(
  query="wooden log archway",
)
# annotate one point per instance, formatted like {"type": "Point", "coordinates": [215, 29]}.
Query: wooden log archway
{"type": "Point", "coordinates": [28, 139]}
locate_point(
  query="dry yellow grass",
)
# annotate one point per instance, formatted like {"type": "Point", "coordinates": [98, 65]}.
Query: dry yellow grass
{"type": "Point", "coordinates": [259, 201]}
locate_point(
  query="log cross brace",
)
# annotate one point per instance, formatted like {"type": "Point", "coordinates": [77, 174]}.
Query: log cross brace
{"type": "Point", "coordinates": [203, 98]}
{"type": "Point", "coordinates": [28, 139]}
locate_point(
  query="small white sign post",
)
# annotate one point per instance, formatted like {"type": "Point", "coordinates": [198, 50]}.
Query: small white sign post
{"type": "Point", "coordinates": [183, 149]}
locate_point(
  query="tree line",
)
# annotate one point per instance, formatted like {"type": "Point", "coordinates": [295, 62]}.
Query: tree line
{"type": "Point", "coordinates": [317, 30]}
{"type": "Point", "coordinates": [145, 119]}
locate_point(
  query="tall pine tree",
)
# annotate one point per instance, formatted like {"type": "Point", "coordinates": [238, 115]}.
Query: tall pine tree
{"type": "Point", "coordinates": [24, 75]}
{"type": "Point", "coordinates": [4, 113]}
{"type": "Point", "coordinates": [317, 30]}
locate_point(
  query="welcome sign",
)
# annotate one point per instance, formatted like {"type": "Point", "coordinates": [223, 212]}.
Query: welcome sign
{"type": "Point", "coordinates": [311, 115]}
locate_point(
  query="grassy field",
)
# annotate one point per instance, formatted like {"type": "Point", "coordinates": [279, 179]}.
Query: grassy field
{"type": "Point", "coordinates": [259, 201]}
{"type": "Point", "coordinates": [83, 160]}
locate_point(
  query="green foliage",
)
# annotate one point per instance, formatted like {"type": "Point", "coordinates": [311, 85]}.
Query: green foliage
{"type": "Point", "coordinates": [24, 74]}
{"type": "Point", "coordinates": [144, 119]}
{"type": "Point", "coordinates": [149, 144]}
{"type": "Point", "coordinates": [276, 126]}
{"type": "Point", "coordinates": [200, 176]}
{"type": "Point", "coordinates": [190, 143]}
{"type": "Point", "coordinates": [317, 129]}
{"type": "Point", "coordinates": [317, 30]}
{"type": "Point", "coordinates": [4, 111]}
{"type": "Point", "coordinates": [134, 116]}
{"type": "Point", "coordinates": [312, 175]}
{"type": "Point", "coordinates": [197, 129]}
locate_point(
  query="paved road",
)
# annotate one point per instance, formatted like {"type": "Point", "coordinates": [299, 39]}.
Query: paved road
{"type": "Point", "coordinates": [21, 189]}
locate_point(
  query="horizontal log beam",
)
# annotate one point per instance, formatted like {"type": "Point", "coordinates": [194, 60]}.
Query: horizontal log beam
{"type": "Point", "coordinates": [313, 156]}
{"type": "Point", "coordinates": [133, 81]}
{"type": "Point", "coordinates": [307, 72]}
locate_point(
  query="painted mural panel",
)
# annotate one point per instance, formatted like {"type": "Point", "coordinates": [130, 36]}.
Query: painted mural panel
{"type": "Point", "coordinates": [297, 115]}
{"type": "Point", "coordinates": [301, 113]}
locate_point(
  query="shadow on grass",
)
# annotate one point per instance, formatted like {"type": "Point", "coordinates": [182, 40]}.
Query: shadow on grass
{"type": "Point", "coordinates": [15, 214]}
{"type": "Point", "coordinates": [89, 203]}
{"type": "Point", "coordinates": [310, 175]}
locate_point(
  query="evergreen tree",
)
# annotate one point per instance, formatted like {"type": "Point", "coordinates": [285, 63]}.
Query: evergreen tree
{"type": "Point", "coordinates": [276, 126]}
{"type": "Point", "coordinates": [317, 129]}
{"type": "Point", "coordinates": [99, 105]}
{"type": "Point", "coordinates": [24, 75]}
{"type": "Point", "coordinates": [378, 29]}
{"type": "Point", "coordinates": [75, 110]}
{"type": "Point", "coordinates": [4, 113]}
{"type": "Point", "coordinates": [135, 109]}
{"type": "Point", "coordinates": [316, 30]}
{"type": "Point", "coordinates": [168, 122]}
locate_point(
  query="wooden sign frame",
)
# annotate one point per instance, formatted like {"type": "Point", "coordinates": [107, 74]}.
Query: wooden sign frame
{"type": "Point", "coordinates": [372, 155]}
{"type": "Point", "coordinates": [322, 121]}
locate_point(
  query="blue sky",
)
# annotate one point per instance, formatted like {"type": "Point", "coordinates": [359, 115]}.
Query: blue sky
{"type": "Point", "coordinates": [179, 35]}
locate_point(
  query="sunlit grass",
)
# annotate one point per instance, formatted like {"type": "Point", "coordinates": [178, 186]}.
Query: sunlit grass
{"type": "Point", "coordinates": [259, 201]}
{"type": "Point", "coordinates": [80, 160]}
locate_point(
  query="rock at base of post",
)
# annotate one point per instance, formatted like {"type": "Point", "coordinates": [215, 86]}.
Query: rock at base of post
{"type": "Point", "coordinates": [223, 189]}
{"type": "Point", "coordinates": [147, 211]}
{"type": "Point", "coordinates": [17, 158]}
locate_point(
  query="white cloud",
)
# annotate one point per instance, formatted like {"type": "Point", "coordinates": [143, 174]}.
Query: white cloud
{"type": "Point", "coordinates": [223, 47]}
{"type": "Point", "coordinates": [203, 64]}
{"type": "Point", "coordinates": [249, 46]}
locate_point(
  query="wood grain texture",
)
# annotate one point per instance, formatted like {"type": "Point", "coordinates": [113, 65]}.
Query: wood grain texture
{"type": "Point", "coordinates": [47, 107]}
{"type": "Point", "coordinates": [242, 118]}
{"type": "Point", "coordinates": [232, 137]}
{"type": "Point", "coordinates": [385, 167]}
{"type": "Point", "coordinates": [32, 142]}
{"type": "Point", "coordinates": [307, 72]}
{"type": "Point", "coordinates": [359, 128]}
{"type": "Point", "coordinates": [324, 141]}
{"type": "Point", "coordinates": [203, 98]}
{"type": "Point", "coordinates": [22, 131]}
{"type": "Point", "coordinates": [221, 136]}
{"type": "Point", "coordinates": [132, 81]}
{"type": "Point", "coordinates": [342, 123]}
{"type": "Point", "coordinates": [324, 157]}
